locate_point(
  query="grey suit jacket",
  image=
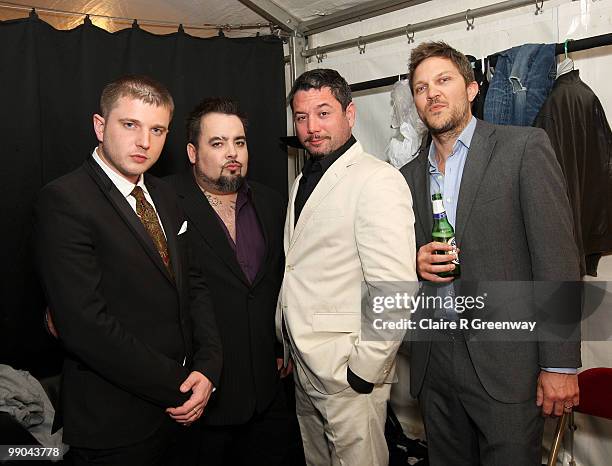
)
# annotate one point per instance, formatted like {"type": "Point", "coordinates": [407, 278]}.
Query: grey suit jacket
{"type": "Point", "coordinates": [513, 224]}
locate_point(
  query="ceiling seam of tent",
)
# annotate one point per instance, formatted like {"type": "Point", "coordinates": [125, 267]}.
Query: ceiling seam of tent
{"type": "Point", "coordinates": [146, 22]}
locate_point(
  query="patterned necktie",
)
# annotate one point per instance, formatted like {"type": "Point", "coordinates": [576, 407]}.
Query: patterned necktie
{"type": "Point", "coordinates": [149, 219]}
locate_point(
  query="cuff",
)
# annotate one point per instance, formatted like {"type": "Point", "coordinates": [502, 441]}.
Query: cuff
{"type": "Point", "coordinates": [561, 370]}
{"type": "Point", "coordinates": [357, 383]}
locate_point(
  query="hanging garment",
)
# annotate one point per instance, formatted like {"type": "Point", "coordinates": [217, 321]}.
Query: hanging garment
{"type": "Point", "coordinates": [22, 396]}
{"type": "Point", "coordinates": [480, 75]}
{"type": "Point", "coordinates": [405, 143]}
{"type": "Point", "coordinates": [578, 129]}
{"type": "Point", "coordinates": [523, 79]}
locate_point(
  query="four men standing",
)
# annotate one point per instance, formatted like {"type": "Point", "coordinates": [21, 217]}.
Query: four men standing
{"type": "Point", "coordinates": [122, 262]}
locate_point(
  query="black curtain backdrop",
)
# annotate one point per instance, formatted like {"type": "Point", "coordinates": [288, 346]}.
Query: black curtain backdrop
{"type": "Point", "coordinates": [50, 84]}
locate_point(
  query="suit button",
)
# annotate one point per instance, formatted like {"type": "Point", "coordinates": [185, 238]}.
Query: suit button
{"type": "Point", "coordinates": [289, 267]}
{"type": "Point", "coordinates": [250, 296]}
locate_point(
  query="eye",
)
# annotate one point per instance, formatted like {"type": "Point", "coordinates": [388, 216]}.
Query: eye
{"type": "Point", "coordinates": [324, 114]}
{"type": "Point", "coordinates": [157, 131]}
{"type": "Point", "coordinates": [217, 144]}
{"type": "Point", "coordinates": [419, 89]}
{"type": "Point", "coordinates": [128, 124]}
{"type": "Point", "coordinates": [241, 143]}
{"type": "Point", "coordinates": [445, 78]}
{"type": "Point", "coordinates": [300, 118]}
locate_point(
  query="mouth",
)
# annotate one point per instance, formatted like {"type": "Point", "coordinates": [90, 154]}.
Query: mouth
{"type": "Point", "coordinates": [316, 141]}
{"type": "Point", "coordinates": [139, 158]}
{"type": "Point", "coordinates": [436, 107]}
{"type": "Point", "coordinates": [233, 166]}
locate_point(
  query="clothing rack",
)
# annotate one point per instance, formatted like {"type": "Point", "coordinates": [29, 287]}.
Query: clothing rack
{"type": "Point", "coordinates": [572, 46]}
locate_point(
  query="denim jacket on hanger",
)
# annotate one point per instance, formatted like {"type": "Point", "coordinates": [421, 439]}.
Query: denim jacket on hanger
{"type": "Point", "coordinates": [523, 79]}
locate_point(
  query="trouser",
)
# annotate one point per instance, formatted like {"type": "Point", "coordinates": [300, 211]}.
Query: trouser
{"type": "Point", "coordinates": [464, 425]}
{"type": "Point", "coordinates": [156, 450]}
{"type": "Point", "coordinates": [342, 429]}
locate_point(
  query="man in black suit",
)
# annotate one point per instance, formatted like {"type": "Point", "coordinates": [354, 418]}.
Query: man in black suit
{"type": "Point", "coordinates": [236, 233]}
{"type": "Point", "coordinates": [132, 316]}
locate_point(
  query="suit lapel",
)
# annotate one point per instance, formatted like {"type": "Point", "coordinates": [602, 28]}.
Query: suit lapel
{"type": "Point", "coordinates": [290, 221]}
{"type": "Point", "coordinates": [331, 177]}
{"type": "Point", "coordinates": [476, 163]}
{"type": "Point", "coordinates": [204, 219]}
{"type": "Point", "coordinates": [422, 193]}
{"type": "Point", "coordinates": [265, 222]}
{"type": "Point", "coordinates": [126, 212]}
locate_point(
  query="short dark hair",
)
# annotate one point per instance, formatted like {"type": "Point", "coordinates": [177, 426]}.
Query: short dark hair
{"type": "Point", "coordinates": [439, 49]}
{"type": "Point", "coordinates": [211, 105]}
{"type": "Point", "coordinates": [319, 78]}
{"type": "Point", "coordinates": [138, 87]}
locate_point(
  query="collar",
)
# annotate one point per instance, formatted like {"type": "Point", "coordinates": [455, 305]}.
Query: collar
{"type": "Point", "coordinates": [464, 139]}
{"type": "Point", "coordinates": [312, 164]}
{"type": "Point", "coordinates": [124, 186]}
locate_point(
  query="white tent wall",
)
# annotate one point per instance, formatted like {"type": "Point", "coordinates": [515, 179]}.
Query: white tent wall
{"type": "Point", "coordinates": [560, 20]}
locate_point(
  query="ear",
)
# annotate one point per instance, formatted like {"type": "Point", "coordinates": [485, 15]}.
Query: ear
{"type": "Point", "coordinates": [472, 91]}
{"type": "Point", "coordinates": [98, 124]}
{"type": "Point", "coordinates": [191, 153]}
{"type": "Point", "coordinates": [350, 114]}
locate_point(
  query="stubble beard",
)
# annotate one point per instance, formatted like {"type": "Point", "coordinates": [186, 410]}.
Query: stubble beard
{"type": "Point", "coordinates": [453, 125]}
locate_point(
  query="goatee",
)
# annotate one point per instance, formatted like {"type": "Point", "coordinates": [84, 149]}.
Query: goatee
{"type": "Point", "coordinates": [223, 184]}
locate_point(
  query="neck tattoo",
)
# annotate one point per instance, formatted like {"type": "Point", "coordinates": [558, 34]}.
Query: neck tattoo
{"type": "Point", "coordinates": [216, 202]}
{"type": "Point", "coordinates": [212, 200]}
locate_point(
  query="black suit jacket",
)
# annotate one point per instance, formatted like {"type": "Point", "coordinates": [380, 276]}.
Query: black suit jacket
{"type": "Point", "coordinates": [244, 312]}
{"type": "Point", "coordinates": [126, 325]}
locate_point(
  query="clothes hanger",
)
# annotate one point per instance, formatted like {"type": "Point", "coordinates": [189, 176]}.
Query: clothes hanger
{"type": "Point", "coordinates": [567, 64]}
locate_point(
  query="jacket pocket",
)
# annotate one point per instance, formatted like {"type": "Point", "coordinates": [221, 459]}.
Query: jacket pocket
{"type": "Point", "coordinates": [339, 322]}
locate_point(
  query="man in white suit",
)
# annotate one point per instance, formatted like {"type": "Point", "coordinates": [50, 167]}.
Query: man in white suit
{"type": "Point", "coordinates": [349, 221]}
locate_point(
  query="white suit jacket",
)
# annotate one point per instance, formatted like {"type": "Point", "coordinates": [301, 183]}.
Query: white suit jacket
{"type": "Point", "coordinates": [357, 226]}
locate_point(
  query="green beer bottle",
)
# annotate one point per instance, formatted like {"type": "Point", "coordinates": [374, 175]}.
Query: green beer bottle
{"type": "Point", "coordinates": [443, 233]}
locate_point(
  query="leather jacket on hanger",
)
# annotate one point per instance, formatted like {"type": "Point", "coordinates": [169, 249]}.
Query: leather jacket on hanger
{"type": "Point", "coordinates": [578, 129]}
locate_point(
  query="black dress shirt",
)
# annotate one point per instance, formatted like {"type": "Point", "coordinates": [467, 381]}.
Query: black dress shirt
{"type": "Point", "coordinates": [313, 171]}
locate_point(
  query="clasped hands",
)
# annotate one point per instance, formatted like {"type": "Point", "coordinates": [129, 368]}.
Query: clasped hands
{"type": "Point", "coordinates": [190, 411]}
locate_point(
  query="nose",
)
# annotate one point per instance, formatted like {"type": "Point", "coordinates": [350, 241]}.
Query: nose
{"type": "Point", "coordinates": [232, 151]}
{"type": "Point", "coordinates": [144, 139]}
{"type": "Point", "coordinates": [432, 92]}
{"type": "Point", "coordinates": [312, 126]}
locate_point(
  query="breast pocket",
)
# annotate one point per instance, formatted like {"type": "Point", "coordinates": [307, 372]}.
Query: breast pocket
{"type": "Point", "coordinates": [328, 215]}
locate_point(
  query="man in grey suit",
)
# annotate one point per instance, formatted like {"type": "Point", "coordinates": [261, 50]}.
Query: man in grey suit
{"type": "Point", "coordinates": [483, 402]}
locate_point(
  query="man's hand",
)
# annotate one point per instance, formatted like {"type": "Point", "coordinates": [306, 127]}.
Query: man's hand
{"type": "Point", "coordinates": [428, 262]}
{"type": "Point", "coordinates": [284, 371]}
{"type": "Point", "coordinates": [557, 392]}
{"type": "Point", "coordinates": [192, 409]}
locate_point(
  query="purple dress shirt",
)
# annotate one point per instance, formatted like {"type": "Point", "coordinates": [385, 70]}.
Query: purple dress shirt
{"type": "Point", "coordinates": [250, 245]}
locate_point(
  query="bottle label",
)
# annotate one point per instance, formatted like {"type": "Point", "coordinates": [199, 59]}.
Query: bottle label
{"type": "Point", "coordinates": [452, 242]}
{"type": "Point", "coordinates": [438, 207]}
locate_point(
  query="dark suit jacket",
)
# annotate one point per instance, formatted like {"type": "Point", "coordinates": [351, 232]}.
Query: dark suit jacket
{"type": "Point", "coordinates": [126, 325]}
{"type": "Point", "coordinates": [513, 224]}
{"type": "Point", "coordinates": [244, 312]}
